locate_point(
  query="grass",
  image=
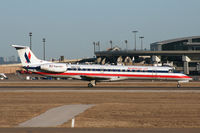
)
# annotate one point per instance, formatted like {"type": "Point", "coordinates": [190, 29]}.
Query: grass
{"type": "Point", "coordinates": [137, 110]}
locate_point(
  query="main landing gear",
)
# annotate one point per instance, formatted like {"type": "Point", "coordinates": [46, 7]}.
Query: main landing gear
{"type": "Point", "coordinates": [92, 83]}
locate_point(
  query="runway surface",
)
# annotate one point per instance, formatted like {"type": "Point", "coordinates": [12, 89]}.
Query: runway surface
{"type": "Point", "coordinates": [80, 86]}
{"type": "Point", "coordinates": [108, 91]}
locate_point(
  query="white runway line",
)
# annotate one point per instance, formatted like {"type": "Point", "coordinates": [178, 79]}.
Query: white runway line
{"type": "Point", "coordinates": [56, 116]}
{"type": "Point", "coordinates": [106, 91]}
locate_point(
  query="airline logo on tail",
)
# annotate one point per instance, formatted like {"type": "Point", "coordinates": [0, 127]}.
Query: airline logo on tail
{"type": "Point", "coordinates": [27, 57]}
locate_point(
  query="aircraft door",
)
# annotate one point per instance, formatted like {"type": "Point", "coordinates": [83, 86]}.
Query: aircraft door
{"type": "Point", "coordinates": [102, 70]}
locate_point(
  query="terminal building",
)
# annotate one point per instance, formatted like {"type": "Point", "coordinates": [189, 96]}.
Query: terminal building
{"type": "Point", "coordinates": [179, 44]}
{"type": "Point", "coordinates": [181, 53]}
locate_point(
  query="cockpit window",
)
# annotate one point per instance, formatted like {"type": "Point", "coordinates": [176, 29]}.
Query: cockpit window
{"type": "Point", "coordinates": [173, 71]}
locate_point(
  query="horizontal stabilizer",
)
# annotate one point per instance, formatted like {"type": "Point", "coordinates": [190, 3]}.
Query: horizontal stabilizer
{"type": "Point", "coordinates": [19, 47]}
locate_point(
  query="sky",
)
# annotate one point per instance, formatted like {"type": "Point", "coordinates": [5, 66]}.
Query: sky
{"type": "Point", "coordinates": [71, 26]}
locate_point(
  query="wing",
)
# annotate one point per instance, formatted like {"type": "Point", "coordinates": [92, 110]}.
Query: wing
{"type": "Point", "coordinates": [97, 78]}
{"type": "Point", "coordinates": [101, 78]}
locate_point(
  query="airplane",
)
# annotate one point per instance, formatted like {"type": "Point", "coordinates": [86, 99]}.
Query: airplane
{"type": "Point", "coordinates": [97, 73]}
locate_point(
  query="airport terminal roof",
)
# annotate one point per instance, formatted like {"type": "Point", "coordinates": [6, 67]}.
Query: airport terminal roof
{"type": "Point", "coordinates": [177, 40]}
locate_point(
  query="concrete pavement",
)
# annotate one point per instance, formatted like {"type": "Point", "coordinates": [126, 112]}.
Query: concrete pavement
{"type": "Point", "coordinates": [56, 116]}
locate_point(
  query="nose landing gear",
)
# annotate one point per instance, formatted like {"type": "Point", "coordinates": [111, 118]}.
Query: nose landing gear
{"type": "Point", "coordinates": [178, 85]}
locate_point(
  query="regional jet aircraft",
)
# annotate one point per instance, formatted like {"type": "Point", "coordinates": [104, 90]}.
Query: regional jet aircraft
{"type": "Point", "coordinates": [96, 73]}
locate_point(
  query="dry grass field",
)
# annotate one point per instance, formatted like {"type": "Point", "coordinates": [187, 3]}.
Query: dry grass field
{"type": "Point", "coordinates": [144, 110]}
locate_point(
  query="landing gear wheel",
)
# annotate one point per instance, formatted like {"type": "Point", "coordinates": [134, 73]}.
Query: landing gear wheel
{"type": "Point", "coordinates": [90, 85]}
{"type": "Point", "coordinates": [178, 85]}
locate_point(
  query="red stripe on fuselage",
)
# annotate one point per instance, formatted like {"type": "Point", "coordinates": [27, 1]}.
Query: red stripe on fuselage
{"type": "Point", "coordinates": [116, 75]}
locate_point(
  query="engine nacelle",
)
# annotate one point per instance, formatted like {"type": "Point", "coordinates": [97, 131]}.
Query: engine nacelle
{"type": "Point", "coordinates": [54, 67]}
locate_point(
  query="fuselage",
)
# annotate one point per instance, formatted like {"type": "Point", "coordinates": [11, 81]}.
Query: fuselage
{"type": "Point", "coordinates": [112, 72]}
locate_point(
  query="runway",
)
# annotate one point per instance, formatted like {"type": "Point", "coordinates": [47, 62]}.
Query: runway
{"type": "Point", "coordinates": [80, 86]}
{"type": "Point", "coordinates": [106, 91]}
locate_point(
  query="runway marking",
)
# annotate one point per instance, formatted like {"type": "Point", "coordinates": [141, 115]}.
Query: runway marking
{"type": "Point", "coordinates": [56, 116]}
{"type": "Point", "coordinates": [106, 91]}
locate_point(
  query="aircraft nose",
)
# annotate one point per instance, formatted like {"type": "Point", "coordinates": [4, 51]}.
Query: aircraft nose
{"type": "Point", "coordinates": [188, 77]}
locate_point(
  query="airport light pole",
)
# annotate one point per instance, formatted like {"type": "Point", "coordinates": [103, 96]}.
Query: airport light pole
{"type": "Point", "coordinates": [126, 42]}
{"type": "Point", "coordinates": [94, 47]}
{"type": "Point", "coordinates": [141, 37]}
{"type": "Point", "coordinates": [111, 44]}
{"type": "Point", "coordinates": [98, 44]}
{"type": "Point", "coordinates": [44, 40]}
{"type": "Point", "coordinates": [135, 32]}
{"type": "Point", "coordinates": [30, 35]}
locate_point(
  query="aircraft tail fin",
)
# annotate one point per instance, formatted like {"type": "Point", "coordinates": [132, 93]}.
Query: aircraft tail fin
{"type": "Point", "coordinates": [26, 55]}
